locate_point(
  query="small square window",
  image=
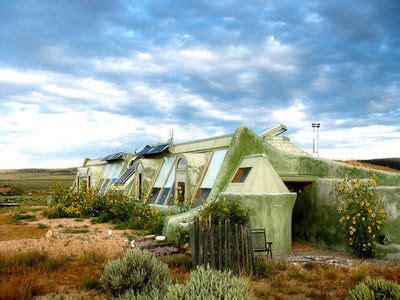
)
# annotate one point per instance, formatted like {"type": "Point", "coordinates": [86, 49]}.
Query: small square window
{"type": "Point", "coordinates": [241, 175]}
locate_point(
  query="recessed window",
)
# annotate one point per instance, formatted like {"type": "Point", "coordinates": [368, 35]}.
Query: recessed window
{"type": "Point", "coordinates": [241, 175]}
{"type": "Point", "coordinates": [182, 163]}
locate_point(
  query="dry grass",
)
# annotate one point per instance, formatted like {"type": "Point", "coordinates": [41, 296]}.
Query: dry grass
{"type": "Point", "coordinates": [28, 274]}
{"type": "Point", "coordinates": [24, 275]}
{"type": "Point", "coordinates": [370, 166]}
{"type": "Point", "coordinates": [10, 231]}
{"type": "Point", "coordinates": [284, 281]}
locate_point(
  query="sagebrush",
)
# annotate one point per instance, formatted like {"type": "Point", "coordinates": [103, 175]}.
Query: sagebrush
{"type": "Point", "coordinates": [204, 283]}
{"type": "Point", "coordinates": [371, 289]}
{"type": "Point", "coordinates": [137, 272]}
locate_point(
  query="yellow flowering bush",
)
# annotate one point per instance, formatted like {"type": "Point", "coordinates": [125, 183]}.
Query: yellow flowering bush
{"type": "Point", "coordinates": [113, 206]}
{"type": "Point", "coordinates": [362, 215]}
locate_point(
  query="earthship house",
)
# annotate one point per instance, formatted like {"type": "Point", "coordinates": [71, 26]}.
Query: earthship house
{"type": "Point", "coordinates": [291, 194]}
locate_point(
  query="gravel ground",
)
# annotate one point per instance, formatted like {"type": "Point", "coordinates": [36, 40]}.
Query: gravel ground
{"type": "Point", "coordinates": [60, 239]}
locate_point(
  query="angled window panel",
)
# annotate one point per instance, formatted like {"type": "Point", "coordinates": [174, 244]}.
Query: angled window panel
{"type": "Point", "coordinates": [154, 195]}
{"type": "Point", "coordinates": [202, 196]}
{"type": "Point", "coordinates": [125, 176]}
{"type": "Point", "coordinates": [114, 171]}
{"type": "Point", "coordinates": [213, 169]}
{"type": "Point", "coordinates": [106, 170]}
{"type": "Point", "coordinates": [164, 172]}
{"type": "Point", "coordinates": [170, 200]}
{"type": "Point", "coordinates": [163, 196]}
{"type": "Point", "coordinates": [171, 178]}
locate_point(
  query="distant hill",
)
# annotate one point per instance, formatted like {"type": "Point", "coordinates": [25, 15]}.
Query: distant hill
{"type": "Point", "coordinates": [385, 164]}
{"type": "Point", "coordinates": [393, 163]}
{"type": "Point", "coordinates": [35, 180]}
{"type": "Point", "coordinates": [13, 174]}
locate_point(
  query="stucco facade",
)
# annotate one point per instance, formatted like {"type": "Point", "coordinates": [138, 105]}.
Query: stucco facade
{"type": "Point", "coordinates": [290, 193]}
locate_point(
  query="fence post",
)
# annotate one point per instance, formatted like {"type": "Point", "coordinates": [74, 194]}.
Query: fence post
{"type": "Point", "coordinates": [211, 243]}
{"type": "Point", "coordinates": [242, 241]}
{"type": "Point", "coordinates": [251, 248]}
{"type": "Point", "coordinates": [225, 243]}
{"type": "Point", "coordinates": [196, 241]}
{"type": "Point", "coordinates": [237, 248]}
{"type": "Point", "coordinates": [219, 245]}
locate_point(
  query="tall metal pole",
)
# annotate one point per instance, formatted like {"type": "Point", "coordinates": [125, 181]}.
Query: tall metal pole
{"type": "Point", "coordinates": [315, 127]}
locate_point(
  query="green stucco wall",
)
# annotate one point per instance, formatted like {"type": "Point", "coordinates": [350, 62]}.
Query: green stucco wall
{"type": "Point", "coordinates": [391, 198]}
{"type": "Point", "coordinates": [315, 218]}
{"type": "Point", "coordinates": [315, 215]}
{"type": "Point", "coordinates": [272, 212]}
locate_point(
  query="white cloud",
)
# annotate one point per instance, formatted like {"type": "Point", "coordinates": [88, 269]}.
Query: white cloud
{"type": "Point", "coordinates": [27, 133]}
{"type": "Point", "coordinates": [45, 85]}
{"type": "Point", "coordinates": [13, 76]}
{"type": "Point", "coordinates": [272, 55]}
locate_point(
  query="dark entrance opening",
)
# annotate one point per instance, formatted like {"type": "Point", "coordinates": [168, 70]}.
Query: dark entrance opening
{"type": "Point", "coordinates": [302, 211]}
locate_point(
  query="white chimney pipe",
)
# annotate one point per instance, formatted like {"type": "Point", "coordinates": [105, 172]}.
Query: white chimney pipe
{"type": "Point", "coordinates": [316, 127]}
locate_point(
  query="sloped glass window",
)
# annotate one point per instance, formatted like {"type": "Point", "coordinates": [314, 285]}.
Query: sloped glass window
{"type": "Point", "coordinates": [202, 195]}
{"type": "Point", "coordinates": [213, 169]}
{"type": "Point", "coordinates": [154, 194]}
{"type": "Point", "coordinates": [111, 174]}
{"type": "Point", "coordinates": [165, 169]}
{"type": "Point", "coordinates": [170, 200]}
{"type": "Point", "coordinates": [241, 175]}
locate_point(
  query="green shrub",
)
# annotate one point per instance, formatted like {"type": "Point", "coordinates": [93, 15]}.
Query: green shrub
{"type": "Point", "coordinates": [225, 209]}
{"type": "Point", "coordinates": [362, 215]}
{"type": "Point", "coordinates": [182, 235]}
{"type": "Point", "coordinates": [371, 289]}
{"type": "Point", "coordinates": [205, 283]}
{"type": "Point", "coordinates": [155, 223]}
{"type": "Point", "coordinates": [138, 271]}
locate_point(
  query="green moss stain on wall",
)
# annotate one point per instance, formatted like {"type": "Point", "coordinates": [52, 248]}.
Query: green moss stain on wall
{"type": "Point", "coordinates": [272, 212]}
{"type": "Point", "coordinates": [391, 198]}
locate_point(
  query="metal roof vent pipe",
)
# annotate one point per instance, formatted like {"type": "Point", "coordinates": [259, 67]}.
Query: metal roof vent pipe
{"type": "Point", "coordinates": [315, 127]}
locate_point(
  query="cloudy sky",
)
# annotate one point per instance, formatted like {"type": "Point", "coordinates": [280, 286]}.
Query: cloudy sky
{"type": "Point", "coordinates": [88, 78]}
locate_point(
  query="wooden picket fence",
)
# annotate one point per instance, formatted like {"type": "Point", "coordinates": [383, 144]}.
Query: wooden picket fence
{"type": "Point", "coordinates": [223, 246]}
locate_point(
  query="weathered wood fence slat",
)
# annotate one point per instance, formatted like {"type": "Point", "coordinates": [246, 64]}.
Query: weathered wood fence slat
{"type": "Point", "coordinates": [223, 246]}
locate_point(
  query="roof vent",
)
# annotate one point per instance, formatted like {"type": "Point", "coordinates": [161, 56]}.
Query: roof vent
{"type": "Point", "coordinates": [274, 131]}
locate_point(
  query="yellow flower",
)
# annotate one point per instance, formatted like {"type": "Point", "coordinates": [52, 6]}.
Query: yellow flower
{"type": "Point", "coordinates": [373, 215]}
{"type": "Point", "coordinates": [347, 217]}
{"type": "Point", "coordinates": [366, 203]}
